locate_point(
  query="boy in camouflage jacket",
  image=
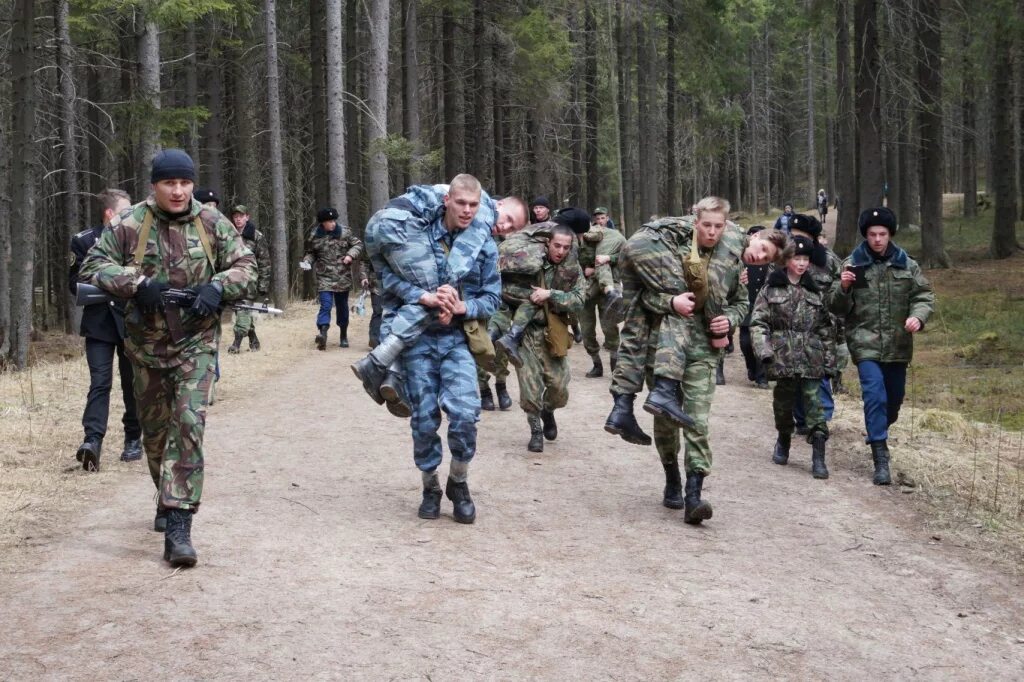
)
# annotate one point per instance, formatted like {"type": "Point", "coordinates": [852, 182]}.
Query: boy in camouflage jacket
{"type": "Point", "coordinates": [791, 330]}
{"type": "Point", "coordinates": [332, 251]}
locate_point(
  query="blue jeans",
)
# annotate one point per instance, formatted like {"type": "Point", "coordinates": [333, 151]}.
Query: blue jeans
{"type": "Point", "coordinates": [329, 299]}
{"type": "Point", "coordinates": [441, 375]}
{"type": "Point", "coordinates": [828, 404]}
{"type": "Point", "coordinates": [883, 385]}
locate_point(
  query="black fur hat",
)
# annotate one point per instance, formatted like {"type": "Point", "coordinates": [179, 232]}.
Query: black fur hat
{"type": "Point", "coordinates": [877, 217]}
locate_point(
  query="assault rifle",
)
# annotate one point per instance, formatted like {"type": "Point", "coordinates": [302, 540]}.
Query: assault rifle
{"type": "Point", "coordinates": [87, 294]}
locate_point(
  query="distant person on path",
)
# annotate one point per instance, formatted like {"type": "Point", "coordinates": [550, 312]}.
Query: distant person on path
{"type": "Point", "coordinates": [822, 205]}
{"type": "Point", "coordinates": [103, 329]}
{"type": "Point", "coordinates": [782, 222]}
{"type": "Point", "coordinates": [245, 325]}
{"type": "Point", "coordinates": [885, 299]}
{"type": "Point", "coordinates": [756, 275]}
{"type": "Point", "coordinates": [331, 251]}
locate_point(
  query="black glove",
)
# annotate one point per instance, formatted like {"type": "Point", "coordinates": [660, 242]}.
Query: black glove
{"type": "Point", "coordinates": [207, 299]}
{"type": "Point", "coordinates": [148, 295]}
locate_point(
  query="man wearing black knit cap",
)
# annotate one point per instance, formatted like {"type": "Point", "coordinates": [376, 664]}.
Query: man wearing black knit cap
{"type": "Point", "coordinates": [540, 210]}
{"type": "Point", "coordinates": [331, 251]}
{"type": "Point", "coordinates": [169, 241]}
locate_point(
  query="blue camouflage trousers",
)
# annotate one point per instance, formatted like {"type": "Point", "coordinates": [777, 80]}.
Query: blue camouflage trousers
{"type": "Point", "coordinates": [441, 375]}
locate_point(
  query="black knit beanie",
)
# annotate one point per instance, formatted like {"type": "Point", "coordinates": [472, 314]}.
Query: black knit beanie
{"type": "Point", "coordinates": [172, 164]}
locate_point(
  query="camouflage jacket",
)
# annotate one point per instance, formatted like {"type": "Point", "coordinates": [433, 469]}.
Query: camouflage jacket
{"type": "Point", "coordinates": [824, 269]}
{"type": "Point", "coordinates": [651, 264]}
{"type": "Point", "coordinates": [791, 328]}
{"type": "Point", "coordinates": [875, 314]}
{"type": "Point", "coordinates": [174, 255]}
{"type": "Point", "coordinates": [600, 241]}
{"type": "Point", "coordinates": [405, 243]}
{"type": "Point", "coordinates": [326, 252]}
{"type": "Point", "coordinates": [257, 243]}
{"type": "Point", "coordinates": [565, 280]}
{"type": "Point", "coordinates": [370, 275]}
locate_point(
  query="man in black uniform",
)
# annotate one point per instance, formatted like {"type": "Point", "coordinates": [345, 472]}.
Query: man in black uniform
{"type": "Point", "coordinates": [103, 329]}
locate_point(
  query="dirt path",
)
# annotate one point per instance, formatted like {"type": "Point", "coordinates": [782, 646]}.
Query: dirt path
{"type": "Point", "coordinates": [314, 565]}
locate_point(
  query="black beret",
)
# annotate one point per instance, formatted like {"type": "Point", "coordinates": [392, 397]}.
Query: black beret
{"type": "Point", "coordinates": [877, 217]}
{"type": "Point", "coordinates": [576, 219]}
{"type": "Point", "coordinates": [172, 164]}
{"type": "Point", "coordinates": [205, 196]}
{"type": "Point", "coordinates": [803, 246]}
{"type": "Point", "coordinates": [325, 214]}
{"type": "Point", "coordinates": [541, 201]}
{"type": "Point", "coordinates": [806, 223]}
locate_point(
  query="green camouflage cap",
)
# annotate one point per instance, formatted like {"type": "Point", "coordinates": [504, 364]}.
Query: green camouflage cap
{"type": "Point", "coordinates": [599, 210]}
{"type": "Point", "coordinates": [240, 208]}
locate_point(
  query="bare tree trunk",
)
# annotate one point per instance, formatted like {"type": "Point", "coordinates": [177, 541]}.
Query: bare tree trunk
{"type": "Point", "coordinates": [871, 178]}
{"type": "Point", "coordinates": [812, 156]}
{"type": "Point", "coordinates": [380, 30]}
{"type": "Point", "coordinates": [671, 189]}
{"type": "Point", "coordinates": [23, 198]}
{"type": "Point", "coordinates": [318, 104]}
{"type": "Point", "coordinates": [246, 175]}
{"type": "Point", "coordinates": [5, 232]}
{"type": "Point", "coordinates": [480, 115]}
{"type": "Point", "coordinates": [279, 233]}
{"type": "Point", "coordinates": [214, 133]}
{"type": "Point", "coordinates": [625, 97]}
{"type": "Point", "coordinates": [454, 116]}
{"type": "Point", "coordinates": [968, 109]}
{"type": "Point", "coordinates": [410, 87]}
{"type": "Point", "coordinates": [614, 68]}
{"type": "Point", "coordinates": [1004, 164]}
{"type": "Point", "coordinates": [928, 16]}
{"type": "Point", "coordinates": [69, 148]}
{"type": "Point", "coordinates": [336, 111]}
{"type": "Point", "coordinates": [501, 171]}
{"type": "Point", "coordinates": [645, 95]}
{"type": "Point", "coordinates": [846, 152]}
{"type": "Point", "coordinates": [192, 92]}
{"type": "Point", "coordinates": [148, 96]}
{"type": "Point", "coordinates": [590, 164]}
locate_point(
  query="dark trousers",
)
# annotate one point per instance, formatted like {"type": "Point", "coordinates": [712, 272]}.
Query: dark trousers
{"type": "Point", "coordinates": [100, 356]}
{"type": "Point", "coordinates": [375, 318]}
{"type": "Point", "coordinates": [333, 299]}
{"type": "Point", "coordinates": [883, 385]}
{"type": "Point", "coordinates": [755, 372]}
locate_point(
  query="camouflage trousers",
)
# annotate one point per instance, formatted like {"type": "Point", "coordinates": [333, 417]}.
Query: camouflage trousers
{"type": "Point", "coordinates": [244, 321]}
{"type": "Point", "coordinates": [440, 376]}
{"type": "Point", "coordinates": [784, 398]}
{"type": "Point", "coordinates": [172, 411]}
{"type": "Point", "coordinates": [500, 322]}
{"type": "Point", "coordinates": [588, 323]}
{"type": "Point", "coordinates": [698, 384]}
{"type": "Point", "coordinates": [543, 379]}
{"type": "Point", "coordinates": [628, 377]}
{"type": "Point", "coordinates": [675, 337]}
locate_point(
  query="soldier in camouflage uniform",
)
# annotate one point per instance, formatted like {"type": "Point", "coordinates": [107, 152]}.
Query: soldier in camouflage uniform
{"type": "Point", "coordinates": [245, 325]}
{"type": "Point", "coordinates": [331, 252]}
{"type": "Point", "coordinates": [498, 325]}
{"type": "Point", "coordinates": [171, 241]}
{"type": "Point", "coordinates": [885, 300]}
{"type": "Point", "coordinates": [680, 337]}
{"type": "Point", "coordinates": [558, 288]}
{"type": "Point", "coordinates": [401, 250]}
{"type": "Point", "coordinates": [599, 257]}
{"type": "Point", "coordinates": [792, 333]}
{"type": "Point", "coordinates": [371, 282]}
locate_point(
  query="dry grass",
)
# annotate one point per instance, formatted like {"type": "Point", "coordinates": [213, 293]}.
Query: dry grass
{"type": "Point", "coordinates": [41, 483]}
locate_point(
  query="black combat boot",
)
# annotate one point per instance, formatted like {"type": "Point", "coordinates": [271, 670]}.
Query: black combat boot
{"type": "Point", "coordinates": [430, 507]}
{"type": "Point", "coordinates": [673, 497]}
{"type": "Point", "coordinates": [504, 399]}
{"type": "Point", "coordinates": [132, 449]}
{"type": "Point", "coordinates": [536, 433]}
{"type": "Point", "coordinates": [486, 398]}
{"type": "Point", "coordinates": [373, 368]}
{"type": "Point", "coordinates": [696, 509]}
{"type": "Point", "coordinates": [178, 548]}
{"type": "Point", "coordinates": [880, 456]}
{"type": "Point", "coordinates": [613, 359]}
{"type": "Point", "coordinates": [89, 453]}
{"type": "Point", "coordinates": [160, 520]}
{"type": "Point", "coordinates": [463, 511]}
{"type": "Point", "coordinates": [577, 333]}
{"type": "Point", "coordinates": [781, 453]}
{"type": "Point", "coordinates": [598, 369]}
{"type": "Point", "coordinates": [622, 422]}
{"type": "Point", "coordinates": [614, 306]}
{"type": "Point", "coordinates": [236, 344]}
{"type": "Point", "coordinates": [720, 373]}
{"type": "Point", "coordinates": [254, 341]}
{"type": "Point", "coordinates": [343, 343]}
{"type": "Point", "coordinates": [510, 344]}
{"type": "Point", "coordinates": [547, 417]}
{"type": "Point", "coordinates": [818, 468]}
{"type": "Point", "coordinates": [392, 390]}
{"type": "Point", "coordinates": [663, 400]}
{"type": "Point", "coordinates": [321, 337]}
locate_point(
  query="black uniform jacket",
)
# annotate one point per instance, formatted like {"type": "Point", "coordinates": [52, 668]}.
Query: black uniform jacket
{"type": "Point", "coordinates": [104, 322]}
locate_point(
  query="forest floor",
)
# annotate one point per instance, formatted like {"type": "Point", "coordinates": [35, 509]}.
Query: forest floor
{"type": "Point", "coordinates": [313, 563]}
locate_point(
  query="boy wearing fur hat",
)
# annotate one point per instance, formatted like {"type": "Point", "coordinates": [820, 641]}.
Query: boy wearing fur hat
{"type": "Point", "coordinates": [791, 330]}
{"type": "Point", "coordinates": [885, 299]}
{"type": "Point", "coordinates": [330, 252]}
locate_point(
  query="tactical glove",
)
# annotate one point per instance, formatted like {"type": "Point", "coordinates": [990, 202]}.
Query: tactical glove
{"type": "Point", "coordinates": [148, 295]}
{"type": "Point", "coordinates": [207, 299]}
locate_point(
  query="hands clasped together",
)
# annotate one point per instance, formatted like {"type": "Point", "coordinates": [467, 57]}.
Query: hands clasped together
{"type": "Point", "coordinates": [447, 300]}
